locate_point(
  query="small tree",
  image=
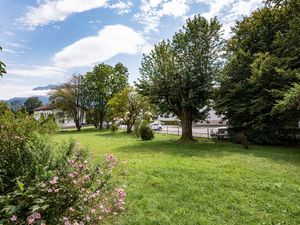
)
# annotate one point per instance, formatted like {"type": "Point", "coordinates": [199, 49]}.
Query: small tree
{"type": "Point", "coordinates": [178, 75]}
{"type": "Point", "coordinates": [71, 99]}
{"type": "Point", "coordinates": [31, 103]}
{"type": "Point", "coordinates": [128, 105]}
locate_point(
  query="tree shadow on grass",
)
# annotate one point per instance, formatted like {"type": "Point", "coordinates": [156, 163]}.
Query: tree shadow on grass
{"type": "Point", "coordinates": [208, 148]}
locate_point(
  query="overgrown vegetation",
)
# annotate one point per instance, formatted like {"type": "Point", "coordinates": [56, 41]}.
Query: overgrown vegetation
{"type": "Point", "coordinates": [258, 87]}
{"type": "Point", "coordinates": [43, 182]}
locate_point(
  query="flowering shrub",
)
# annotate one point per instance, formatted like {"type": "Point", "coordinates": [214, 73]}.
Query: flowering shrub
{"type": "Point", "coordinates": [55, 184]}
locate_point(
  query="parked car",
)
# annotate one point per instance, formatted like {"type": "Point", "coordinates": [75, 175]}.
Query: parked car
{"type": "Point", "coordinates": [155, 126]}
{"type": "Point", "coordinates": [222, 133]}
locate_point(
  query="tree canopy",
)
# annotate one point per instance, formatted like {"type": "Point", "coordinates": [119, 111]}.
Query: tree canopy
{"type": "Point", "coordinates": [102, 84]}
{"type": "Point", "coordinates": [177, 75]}
{"type": "Point", "coordinates": [31, 103]}
{"type": "Point", "coordinates": [129, 106]}
{"type": "Point", "coordinates": [70, 98]}
{"type": "Point", "coordinates": [263, 63]}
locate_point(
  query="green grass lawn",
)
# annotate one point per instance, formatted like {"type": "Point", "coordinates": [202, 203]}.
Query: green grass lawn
{"type": "Point", "coordinates": [200, 183]}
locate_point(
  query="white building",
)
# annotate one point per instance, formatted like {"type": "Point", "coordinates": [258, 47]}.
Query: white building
{"type": "Point", "coordinates": [59, 116]}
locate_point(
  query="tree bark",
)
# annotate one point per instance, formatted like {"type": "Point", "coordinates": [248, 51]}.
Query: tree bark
{"type": "Point", "coordinates": [101, 119]}
{"type": "Point", "coordinates": [129, 128]}
{"type": "Point", "coordinates": [186, 122]}
{"type": "Point", "coordinates": [78, 124]}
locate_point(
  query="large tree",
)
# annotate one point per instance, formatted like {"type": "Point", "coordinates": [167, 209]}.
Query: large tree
{"type": "Point", "coordinates": [129, 106]}
{"type": "Point", "coordinates": [70, 98]}
{"type": "Point", "coordinates": [31, 103]}
{"type": "Point", "coordinates": [102, 84]}
{"type": "Point", "coordinates": [178, 75]}
{"type": "Point", "coordinates": [263, 63]}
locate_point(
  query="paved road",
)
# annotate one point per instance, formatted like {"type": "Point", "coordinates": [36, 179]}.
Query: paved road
{"type": "Point", "coordinates": [197, 131]}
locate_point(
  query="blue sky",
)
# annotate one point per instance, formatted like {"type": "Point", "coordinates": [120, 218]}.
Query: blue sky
{"type": "Point", "coordinates": [46, 41]}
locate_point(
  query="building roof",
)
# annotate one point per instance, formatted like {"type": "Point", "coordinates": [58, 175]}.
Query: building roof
{"type": "Point", "coordinates": [43, 107]}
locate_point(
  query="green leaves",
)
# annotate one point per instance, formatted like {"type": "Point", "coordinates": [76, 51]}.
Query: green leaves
{"type": "Point", "coordinates": [177, 75]}
{"type": "Point", "coordinates": [102, 84]}
{"type": "Point", "coordinates": [262, 64]}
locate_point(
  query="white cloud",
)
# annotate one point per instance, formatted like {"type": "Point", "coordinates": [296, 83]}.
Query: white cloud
{"type": "Point", "coordinates": [153, 10]}
{"type": "Point", "coordinates": [109, 42]}
{"type": "Point", "coordinates": [121, 7]}
{"type": "Point", "coordinates": [8, 50]}
{"type": "Point", "coordinates": [36, 71]}
{"type": "Point", "coordinates": [49, 11]}
{"type": "Point", "coordinates": [228, 11]}
{"type": "Point", "coordinates": [9, 33]}
{"type": "Point", "coordinates": [8, 91]}
{"type": "Point", "coordinates": [16, 45]}
{"type": "Point", "coordinates": [176, 8]}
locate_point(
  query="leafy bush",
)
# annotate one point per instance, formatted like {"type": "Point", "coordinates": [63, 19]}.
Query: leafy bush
{"type": "Point", "coordinates": [114, 128]}
{"type": "Point", "coordinates": [242, 139]}
{"type": "Point", "coordinates": [137, 126]}
{"type": "Point", "coordinates": [146, 133]}
{"type": "Point", "coordinates": [42, 182]}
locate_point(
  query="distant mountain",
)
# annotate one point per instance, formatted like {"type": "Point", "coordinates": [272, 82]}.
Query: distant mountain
{"type": "Point", "coordinates": [48, 87]}
{"type": "Point", "coordinates": [21, 100]}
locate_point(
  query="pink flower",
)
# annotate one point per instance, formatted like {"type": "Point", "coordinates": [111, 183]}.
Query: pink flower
{"type": "Point", "coordinates": [30, 219]}
{"type": "Point", "coordinates": [111, 161]}
{"type": "Point", "coordinates": [50, 190]}
{"type": "Point", "coordinates": [121, 192]}
{"type": "Point", "coordinates": [14, 218]}
{"type": "Point", "coordinates": [37, 215]}
{"type": "Point", "coordinates": [54, 180]}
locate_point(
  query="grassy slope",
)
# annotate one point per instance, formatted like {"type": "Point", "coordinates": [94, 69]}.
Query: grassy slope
{"type": "Point", "coordinates": [201, 183]}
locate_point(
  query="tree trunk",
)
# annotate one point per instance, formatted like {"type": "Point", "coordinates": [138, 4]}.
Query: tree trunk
{"type": "Point", "coordinates": [129, 128]}
{"type": "Point", "coordinates": [78, 124]}
{"type": "Point", "coordinates": [100, 124]}
{"type": "Point", "coordinates": [101, 119]}
{"type": "Point", "coordinates": [186, 122]}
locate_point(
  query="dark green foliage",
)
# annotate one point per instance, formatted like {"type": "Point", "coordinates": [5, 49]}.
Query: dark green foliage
{"type": "Point", "coordinates": [146, 133]}
{"type": "Point", "coordinates": [32, 103]}
{"type": "Point", "coordinates": [262, 64]}
{"type": "Point", "coordinates": [242, 139]}
{"type": "Point", "coordinates": [178, 74]}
